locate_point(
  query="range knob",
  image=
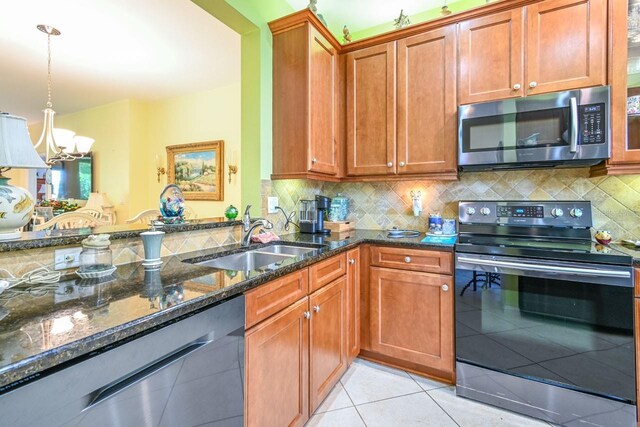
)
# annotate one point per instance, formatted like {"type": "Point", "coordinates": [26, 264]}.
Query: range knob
{"type": "Point", "coordinates": [557, 212]}
{"type": "Point", "coordinates": [485, 211]}
{"type": "Point", "coordinates": [471, 211]}
{"type": "Point", "coordinates": [575, 212]}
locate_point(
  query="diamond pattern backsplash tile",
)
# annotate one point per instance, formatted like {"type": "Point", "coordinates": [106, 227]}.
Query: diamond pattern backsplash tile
{"type": "Point", "coordinates": [381, 205]}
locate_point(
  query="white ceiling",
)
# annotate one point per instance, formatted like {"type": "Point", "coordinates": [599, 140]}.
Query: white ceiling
{"type": "Point", "coordinates": [110, 50]}
{"type": "Point", "coordinates": [361, 14]}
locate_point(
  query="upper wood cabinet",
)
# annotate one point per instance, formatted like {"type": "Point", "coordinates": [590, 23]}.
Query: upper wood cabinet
{"type": "Point", "coordinates": [564, 47]}
{"type": "Point", "coordinates": [401, 108]}
{"type": "Point", "coordinates": [427, 108]}
{"type": "Point", "coordinates": [371, 112]}
{"type": "Point", "coordinates": [304, 102]}
{"type": "Point", "coordinates": [491, 57]}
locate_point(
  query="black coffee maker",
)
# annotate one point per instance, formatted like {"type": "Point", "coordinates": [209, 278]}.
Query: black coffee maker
{"type": "Point", "coordinates": [312, 215]}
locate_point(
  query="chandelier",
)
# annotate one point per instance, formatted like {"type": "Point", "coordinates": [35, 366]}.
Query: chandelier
{"type": "Point", "coordinates": [60, 145]}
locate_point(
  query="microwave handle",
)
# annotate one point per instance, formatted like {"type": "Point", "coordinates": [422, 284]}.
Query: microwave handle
{"type": "Point", "coordinates": [574, 124]}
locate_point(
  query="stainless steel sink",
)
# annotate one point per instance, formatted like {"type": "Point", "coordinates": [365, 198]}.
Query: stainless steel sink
{"type": "Point", "coordinates": [286, 250]}
{"type": "Point", "coordinates": [245, 261]}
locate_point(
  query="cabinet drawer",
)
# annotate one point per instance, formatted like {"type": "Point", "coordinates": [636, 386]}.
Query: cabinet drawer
{"type": "Point", "coordinates": [270, 298]}
{"type": "Point", "coordinates": [412, 259]}
{"type": "Point", "coordinates": [327, 271]}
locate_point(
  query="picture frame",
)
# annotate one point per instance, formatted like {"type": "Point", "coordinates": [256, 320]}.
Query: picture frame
{"type": "Point", "coordinates": [197, 169]}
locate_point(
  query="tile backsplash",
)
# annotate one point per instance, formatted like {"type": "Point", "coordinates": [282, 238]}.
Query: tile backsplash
{"type": "Point", "coordinates": [126, 251]}
{"type": "Point", "coordinates": [382, 205]}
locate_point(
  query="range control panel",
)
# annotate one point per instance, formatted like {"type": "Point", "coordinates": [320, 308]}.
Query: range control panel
{"type": "Point", "coordinates": [531, 213]}
{"type": "Point", "coordinates": [592, 124]}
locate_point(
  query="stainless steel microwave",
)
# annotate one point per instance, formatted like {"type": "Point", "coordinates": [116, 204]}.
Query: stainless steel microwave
{"type": "Point", "coordinates": [566, 129]}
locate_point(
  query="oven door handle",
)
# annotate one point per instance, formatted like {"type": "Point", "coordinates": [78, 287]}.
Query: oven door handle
{"type": "Point", "coordinates": [574, 124]}
{"type": "Point", "coordinates": [592, 272]}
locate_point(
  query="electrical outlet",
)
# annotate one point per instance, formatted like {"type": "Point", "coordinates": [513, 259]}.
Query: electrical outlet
{"type": "Point", "coordinates": [66, 258]}
{"type": "Point", "coordinates": [272, 202]}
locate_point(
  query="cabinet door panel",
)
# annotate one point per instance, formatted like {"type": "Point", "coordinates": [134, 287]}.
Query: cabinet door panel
{"type": "Point", "coordinates": [353, 303]}
{"type": "Point", "coordinates": [322, 69]}
{"type": "Point", "coordinates": [491, 57]}
{"type": "Point", "coordinates": [325, 272]}
{"type": "Point", "coordinates": [277, 369]}
{"type": "Point", "coordinates": [371, 111]}
{"type": "Point", "coordinates": [412, 317]}
{"type": "Point", "coordinates": [427, 109]}
{"type": "Point", "coordinates": [566, 45]}
{"type": "Point", "coordinates": [328, 337]}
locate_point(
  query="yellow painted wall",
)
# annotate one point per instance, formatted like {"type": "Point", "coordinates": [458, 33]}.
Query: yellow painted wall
{"type": "Point", "coordinates": [204, 116]}
{"type": "Point", "coordinates": [130, 133]}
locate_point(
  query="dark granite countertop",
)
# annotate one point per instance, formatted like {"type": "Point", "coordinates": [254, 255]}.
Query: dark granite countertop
{"type": "Point", "coordinates": [38, 333]}
{"type": "Point", "coordinates": [43, 239]}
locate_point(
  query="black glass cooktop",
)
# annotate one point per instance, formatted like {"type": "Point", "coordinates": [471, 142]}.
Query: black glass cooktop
{"type": "Point", "coordinates": [556, 248]}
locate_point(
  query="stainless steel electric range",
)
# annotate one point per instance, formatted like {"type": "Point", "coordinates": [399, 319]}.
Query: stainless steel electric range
{"type": "Point", "coordinates": [544, 317]}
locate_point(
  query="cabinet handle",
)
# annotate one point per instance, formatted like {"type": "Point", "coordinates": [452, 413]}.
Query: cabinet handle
{"type": "Point", "coordinates": [314, 160]}
{"type": "Point", "coordinates": [445, 287]}
{"type": "Point", "coordinates": [307, 315]}
{"type": "Point", "coordinates": [516, 86]}
{"type": "Point", "coordinates": [390, 164]}
{"type": "Point", "coordinates": [352, 261]}
{"type": "Point", "coordinates": [316, 308]}
{"type": "Point", "coordinates": [401, 164]}
{"type": "Point", "coordinates": [533, 84]}
{"type": "Point", "coordinates": [407, 259]}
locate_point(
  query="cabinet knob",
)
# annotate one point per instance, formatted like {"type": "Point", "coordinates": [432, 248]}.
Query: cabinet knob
{"type": "Point", "coordinates": [401, 164]}
{"type": "Point", "coordinates": [445, 287]}
{"type": "Point", "coordinates": [516, 86]}
{"type": "Point", "coordinates": [316, 308]}
{"type": "Point", "coordinates": [307, 315]}
{"type": "Point", "coordinates": [533, 84]}
{"type": "Point", "coordinates": [390, 164]}
{"type": "Point", "coordinates": [314, 160]}
{"type": "Point", "coordinates": [352, 261]}
{"type": "Point", "coordinates": [407, 259]}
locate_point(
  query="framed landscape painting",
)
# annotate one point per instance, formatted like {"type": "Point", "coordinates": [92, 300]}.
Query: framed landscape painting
{"type": "Point", "coordinates": [197, 169]}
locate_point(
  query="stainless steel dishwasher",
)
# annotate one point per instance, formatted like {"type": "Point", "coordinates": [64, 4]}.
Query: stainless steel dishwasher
{"type": "Point", "coordinates": [186, 373]}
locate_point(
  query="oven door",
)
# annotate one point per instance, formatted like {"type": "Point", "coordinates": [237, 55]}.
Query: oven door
{"type": "Point", "coordinates": [559, 127]}
{"type": "Point", "coordinates": [565, 324]}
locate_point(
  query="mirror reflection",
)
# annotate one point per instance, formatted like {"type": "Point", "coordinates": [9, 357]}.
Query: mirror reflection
{"type": "Point", "coordinates": [127, 80]}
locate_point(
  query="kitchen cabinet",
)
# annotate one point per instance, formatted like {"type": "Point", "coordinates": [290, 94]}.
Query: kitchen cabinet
{"type": "Point", "coordinates": [371, 111]}
{"type": "Point", "coordinates": [304, 100]}
{"type": "Point", "coordinates": [412, 317]}
{"type": "Point", "coordinates": [427, 108]}
{"type": "Point", "coordinates": [353, 304]}
{"type": "Point", "coordinates": [413, 81]}
{"type": "Point", "coordinates": [295, 351]}
{"type": "Point", "coordinates": [328, 339]}
{"type": "Point", "coordinates": [549, 46]}
{"type": "Point", "coordinates": [491, 57]}
{"type": "Point", "coordinates": [277, 369]}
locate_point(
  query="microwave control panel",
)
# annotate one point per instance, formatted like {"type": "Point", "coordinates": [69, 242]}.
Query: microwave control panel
{"type": "Point", "coordinates": [592, 124]}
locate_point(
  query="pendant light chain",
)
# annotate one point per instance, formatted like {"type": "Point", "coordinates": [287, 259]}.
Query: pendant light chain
{"type": "Point", "coordinates": [49, 103]}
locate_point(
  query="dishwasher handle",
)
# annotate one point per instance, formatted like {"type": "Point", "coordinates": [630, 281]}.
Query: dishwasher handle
{"type": "Point", "coordinates": [108, 391]}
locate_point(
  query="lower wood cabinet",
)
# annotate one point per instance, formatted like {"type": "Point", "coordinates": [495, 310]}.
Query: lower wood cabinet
{"type": "Point", "coordinates": [353, 304]}
{"type": "Point", "coordinates": [411, 318]}
{"type": "Point", "coordinates": [277, 369]}
{"type": "Point", "coordinates": [328, 339]}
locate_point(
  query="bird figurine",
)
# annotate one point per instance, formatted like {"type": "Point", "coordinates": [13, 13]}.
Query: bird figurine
{"type": "Point", "coordinates": [346, 35]}
{"type": "Point", "coordinates": [402, 21]}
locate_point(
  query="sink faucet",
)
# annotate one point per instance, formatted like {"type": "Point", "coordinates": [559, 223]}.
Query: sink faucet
{"type": "Point", "coordinates": [249, 225]}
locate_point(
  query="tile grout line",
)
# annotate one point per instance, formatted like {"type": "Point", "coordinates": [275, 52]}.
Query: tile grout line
{"type": "Point", "coordinates": [443, 410]}
{"type": "Point", "coordinates": [352, 402]}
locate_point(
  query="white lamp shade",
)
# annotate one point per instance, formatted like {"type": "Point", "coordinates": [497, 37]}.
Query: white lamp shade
{"type": "Point", "coordinates": [83, 143]}
{"type": "Point", "coordinates": [98, 201]}
{"type": "Point", "coordinates": [16, 148]}
{"type": "Point", "coordinates": [63, 138]}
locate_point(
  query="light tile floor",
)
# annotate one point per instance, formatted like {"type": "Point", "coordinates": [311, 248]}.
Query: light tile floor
{"type": "Point", "coordinates": [373, 395]}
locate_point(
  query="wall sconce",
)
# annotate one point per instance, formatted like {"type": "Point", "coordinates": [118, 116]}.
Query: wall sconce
{"type": "Point", "coordinates": [416, 197]}
{"type": "Point", "coordinates": [232, 162]}
{"type": "Point", "coordinates": [159, 168]}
